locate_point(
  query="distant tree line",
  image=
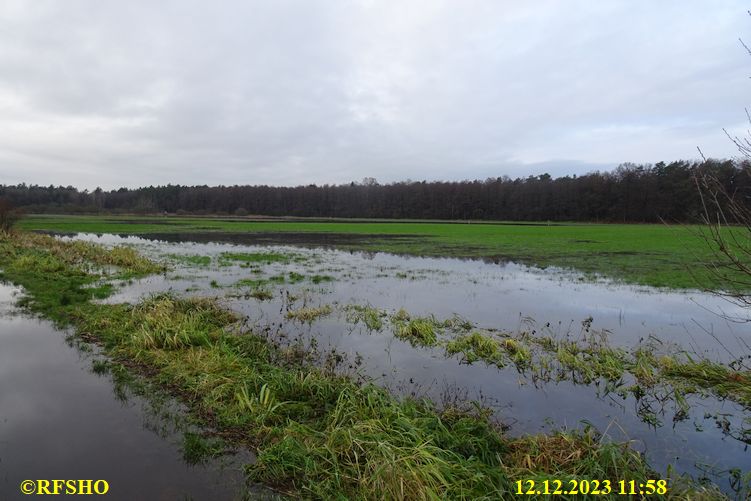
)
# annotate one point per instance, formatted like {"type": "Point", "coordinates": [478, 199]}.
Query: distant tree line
{"type": "Point", "coordinates": [630, 193]}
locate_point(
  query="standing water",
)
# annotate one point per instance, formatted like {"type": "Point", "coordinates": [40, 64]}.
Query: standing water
{"type": "Point", "coordinates": [61, 420]}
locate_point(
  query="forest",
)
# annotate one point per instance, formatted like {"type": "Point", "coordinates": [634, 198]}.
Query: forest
{"type": "Point", "coordinates": [641, 193]}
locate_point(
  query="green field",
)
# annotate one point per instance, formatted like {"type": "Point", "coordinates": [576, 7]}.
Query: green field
{"type": "Point", "coordinates": [656, 255]}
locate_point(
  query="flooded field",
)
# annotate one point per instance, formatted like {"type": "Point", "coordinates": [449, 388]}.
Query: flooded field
{"type": "Point", "coordinates": [63, 417]}
{"type": "Point", "coordinates": [401, 322]}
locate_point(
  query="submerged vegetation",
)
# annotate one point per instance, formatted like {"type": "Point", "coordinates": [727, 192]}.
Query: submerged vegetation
{"type": "Point", "coordinates": [326, 436]}
{"type": "Point", "coordinates": [368, 315]}
{"type": "Point", "coordinates": [255, 257]}
{"type": "Point", "coordinates": [586, 358]}
{"type": "Point", "coordinates": [191, 259]}
{"type": "Point", "coordinates": [261, 294]}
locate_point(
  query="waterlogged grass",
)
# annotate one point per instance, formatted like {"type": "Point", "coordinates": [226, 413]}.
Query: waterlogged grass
{"type": "Point", "coordinates": [278, 279]}
{"type": "Point", "coordinates": [59, 254]}
{"type": "Point", "coordinates": [251, 282]}
{"type": "Point", "coordinates": [309, 313]}
{"type": "Point", "coordinates": [417, 331]}
{"type": "Point", "coordinates": [498, 352]}
{"type": "Point", "coordinates": [718, 379]}
{"type": "Point", "coordinates": [99, 366]}
{"type": "Point", "coordinates": [256, 257]}
{"type": "Point", "coordinates": [198, 448]}
{"type": "Point", "coordinates": [291, 277]}
{"type": "Point", "coordinates": [191, 259]}
{"type": "Point", "coordinates": [655, 255]}
{"type": "Point", "coordinates": [261, 294]}
{"type": "Point", "coordinates": [294, 277]}
{"type": "Point", "coordinates": [65, 274]}
{"type": "Point", "coordinates": [317, 279]}
{"type": "Point", "coordinates": [317, 435]}
{"type": "Point", "coordinates": [371, 317]}
{"type": "Point", "coordinates": [545, 457]}
{"type": "Point", "coordinates": [476, 347]}
{"type": "Point", "coordinates": [324, 436]}
{"type": "Point", "coordinates": [587, 358]}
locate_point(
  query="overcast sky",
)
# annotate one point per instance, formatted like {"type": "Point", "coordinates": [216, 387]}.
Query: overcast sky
{"type": "Point", "coordinates": [131, 93]}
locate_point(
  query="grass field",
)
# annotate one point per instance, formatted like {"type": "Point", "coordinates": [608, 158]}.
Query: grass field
{"type": "Point", "coordinates": [656, 255]}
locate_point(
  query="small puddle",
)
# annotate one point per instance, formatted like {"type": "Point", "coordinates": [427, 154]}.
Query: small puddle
{"type": "Point", "coordinates": [60, 420]}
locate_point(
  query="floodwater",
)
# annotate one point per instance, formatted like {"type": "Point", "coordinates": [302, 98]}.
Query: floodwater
{"type": "Point", "coordinates": [60, 420]}
{"type": "Point", "coordinates": [710, 440]}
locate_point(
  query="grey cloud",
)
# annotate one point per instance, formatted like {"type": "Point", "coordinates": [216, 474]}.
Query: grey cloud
{"type": "Point", "coordinates": [296, 92]}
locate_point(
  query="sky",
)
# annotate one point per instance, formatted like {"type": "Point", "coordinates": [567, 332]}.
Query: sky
{"type": "Point", "coordinates": [281, 92]}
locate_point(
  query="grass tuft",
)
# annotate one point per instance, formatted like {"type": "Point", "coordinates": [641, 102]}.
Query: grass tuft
{"type": "Point", "coordinates": [309, 314]}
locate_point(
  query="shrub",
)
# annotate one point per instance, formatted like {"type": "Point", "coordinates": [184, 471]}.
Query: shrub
{"type": "Point", "coordinates": [8, 216]}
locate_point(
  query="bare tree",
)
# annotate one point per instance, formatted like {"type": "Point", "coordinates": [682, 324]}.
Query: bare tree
{"type": "Point", "coordinates": [727, 230]}
{"type": "Point", "coordinates": [726, 214]}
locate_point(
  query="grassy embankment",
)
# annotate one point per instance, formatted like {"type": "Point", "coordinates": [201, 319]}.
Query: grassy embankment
{"type": "Point", "coordinates": [317, 434]}
{"type": "Point", "coordinates": [655, 255]}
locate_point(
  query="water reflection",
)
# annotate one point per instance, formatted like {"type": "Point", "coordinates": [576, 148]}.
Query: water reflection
{"type": "Point", "coordinates": [60, 420]}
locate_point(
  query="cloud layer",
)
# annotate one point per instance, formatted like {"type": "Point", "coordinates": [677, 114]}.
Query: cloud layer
{"type": "Point", "coordinates": [288, 92]}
